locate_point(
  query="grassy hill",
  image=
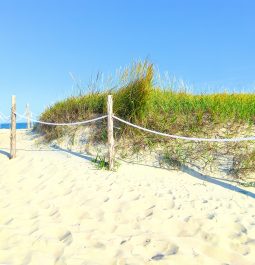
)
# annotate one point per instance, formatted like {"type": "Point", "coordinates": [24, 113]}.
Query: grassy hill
{"type": "Point", "coordinates": [138, 100]}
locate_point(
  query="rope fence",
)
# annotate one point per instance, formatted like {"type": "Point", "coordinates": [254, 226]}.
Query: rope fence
{"type": "Point", "coordinates": [3, 117]}
{"type": "Point", "coordinates": [64, 124]}
{"type": "Point", "coordinates": [184, 137]}
{"type": "Point", "coordinates": [110, 118]}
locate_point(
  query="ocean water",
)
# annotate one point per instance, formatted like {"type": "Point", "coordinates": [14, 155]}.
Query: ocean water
{"type": "Point", "coordinates": [21, 125]}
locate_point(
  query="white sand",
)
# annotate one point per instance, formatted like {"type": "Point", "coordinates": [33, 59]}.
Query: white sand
{"type": "Point", "coordinates": [56, 208]}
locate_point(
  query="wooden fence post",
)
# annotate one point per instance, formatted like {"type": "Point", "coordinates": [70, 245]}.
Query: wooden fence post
{"type": "Point", "coordinates": [28, 115]}
{"type": "Point", "coordinates": [110, 133]}
{"type": "Point", "coordinates": [13, 129]}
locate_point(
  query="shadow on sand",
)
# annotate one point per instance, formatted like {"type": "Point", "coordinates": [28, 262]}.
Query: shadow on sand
{"type": "Point", "coordinates": [217, 181]}
{"type": "Point", "coordinates": [222, 182]}
{"type": "Point", "coordinates": [2, 152]}
{"type": "Point", "coordinates": [55, 148]}
{"type": "Point", "coordinates": [83, 156]}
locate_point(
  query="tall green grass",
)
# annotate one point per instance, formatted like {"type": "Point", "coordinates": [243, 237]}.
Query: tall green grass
{"type": "Point", "coordinates": [219, 107]}
{"type": "Point", "coordinates": [183, 112]}
{"type": "Point", "coordinates": [138, 100]}
{"type": "Point", "coordinates": [130, 101]}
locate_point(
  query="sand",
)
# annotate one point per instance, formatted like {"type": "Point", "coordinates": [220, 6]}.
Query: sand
{"type": "Point", "coordinates": [57, 208]}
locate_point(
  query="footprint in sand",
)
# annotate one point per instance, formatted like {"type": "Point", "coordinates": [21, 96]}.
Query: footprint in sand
{"type": "Point", "coordinates": [210, 216]}
{"type": "Point", "coordinates": [54, 212]}
{"type": "Point", "coordinates": [158, 256]}
{"type": "Point", "coordinates": [236, 230]}
{"type": "Point", "coordinates": [148, 213]}
{"type": "Point", "coordinates": [151, 207]}
{"type": "Point", "coordinates": [172, 249]}
{"type": "Point", "coordinates": [54, 232]}
{"type": "Point", "coordinates": [106, 199]}
{"type": "Point", "coordinates": [187, 218]}
{"type": "Point", "coordinates": [66, 238]}
{"type": "Point", "coordinates": [137, 198]}
{"type": "Point", "coordinates": [100, 245]}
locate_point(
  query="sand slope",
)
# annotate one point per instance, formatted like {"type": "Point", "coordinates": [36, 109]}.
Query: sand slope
{"type": "Point", "coordinates": [56, 208]}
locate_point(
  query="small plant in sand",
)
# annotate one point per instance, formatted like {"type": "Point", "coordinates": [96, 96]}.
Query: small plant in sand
{"type": "Point", "coordinates": [101, 162]}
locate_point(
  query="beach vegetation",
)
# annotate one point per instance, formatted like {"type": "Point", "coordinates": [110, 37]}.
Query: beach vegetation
{"type": "Point", "coordinates": [100, 162]}
{"type": "Point", "coordinates": [138, 98]}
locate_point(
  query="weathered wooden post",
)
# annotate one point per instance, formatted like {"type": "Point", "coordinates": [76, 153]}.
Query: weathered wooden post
{"type": "Point", "coordinates": [110, 133]}
{"type": "Point", "coordinates": [28, 116]}
{"type": "Point", "coordinates": [13, 129]}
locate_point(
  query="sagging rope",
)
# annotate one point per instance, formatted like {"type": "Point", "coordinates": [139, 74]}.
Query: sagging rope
{"type": "Point", "coordinates": [4, 117]}
{"type": "Point", "coordinates": [184, 137]}
{"type": "Point", "coordinates": [34, 115]}
{"type": "Point", "coordinates": [240, 139]}
{"type": "Point", "coordinates": [64, 124]}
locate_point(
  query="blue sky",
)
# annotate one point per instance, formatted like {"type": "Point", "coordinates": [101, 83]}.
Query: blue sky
{"type": "Point", "coordinates": [208, 43]}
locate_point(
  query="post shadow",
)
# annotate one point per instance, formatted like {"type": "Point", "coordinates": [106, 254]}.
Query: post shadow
{"type": "Point", "coordinates": [55, 148]}
{"type": "Point", "coordinates": [216, 181]}
{"type": "Point", "coordinates": [83, 156]}
{"type": "Point", "coordinates": [5, 153]}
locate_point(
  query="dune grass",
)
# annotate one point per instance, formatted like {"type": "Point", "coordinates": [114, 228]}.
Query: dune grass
{"type": "Point", "coordinates": [138, 100]}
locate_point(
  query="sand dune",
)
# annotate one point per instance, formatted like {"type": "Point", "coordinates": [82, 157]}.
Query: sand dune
{"type": "Point", "coordinates": [56, 208]}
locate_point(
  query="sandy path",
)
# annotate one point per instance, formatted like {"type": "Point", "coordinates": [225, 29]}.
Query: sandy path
{"type": "Point", "coordinates": [56, 208]}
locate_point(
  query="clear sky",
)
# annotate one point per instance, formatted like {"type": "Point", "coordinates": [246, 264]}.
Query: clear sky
{"type": "Point", "coordinates": [208, 43]}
